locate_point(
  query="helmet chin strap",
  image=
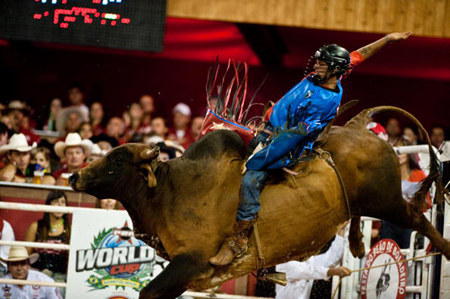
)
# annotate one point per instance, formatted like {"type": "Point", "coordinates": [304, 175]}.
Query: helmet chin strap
{"type": "Point", "coordinates": [317, 79]}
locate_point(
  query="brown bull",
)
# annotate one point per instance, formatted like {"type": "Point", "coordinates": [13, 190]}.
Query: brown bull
{"type": "Point", "coordinates": [189, 204]}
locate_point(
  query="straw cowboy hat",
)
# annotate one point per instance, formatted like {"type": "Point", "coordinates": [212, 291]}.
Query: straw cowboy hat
{"type": "Point", "coordinates": [18, 105]}
{"type": "Point", "coordinates": [18, 142]}
{"type": "Point", "coordinates": [73, 139]}
{"type": "Point", "coordinates": [63, 115]}
{"type": "Point", "coordinates": [20, 253]}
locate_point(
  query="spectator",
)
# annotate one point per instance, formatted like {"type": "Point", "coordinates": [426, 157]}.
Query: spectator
{"type": "Point", "coordinates": [148, 105]}
{"type": "Point", "coordinates": [107, 204]}
{"type": "Point", "coordinates": [437, 136]}
{"type": "Point", "coordinates": [76, 97]}
{"type": "Point", "coordinates": [74, 151]}
{"type": "Point", "coordinates": [105, 142]}
{"type": "Point", "coordinates": [412, 175]}
{"type": "Point", "coordinates": [116, 129]}
{"type": "Point", "coordinates": [86, 131]}
{"type": "Point", "coordinates": [19, 168]}
{"type": "Point", "coordinates": [6, 234]}
{"type": "Point", "coordinates": [411, 134]}
{"type": "Point", "coordinates": [69, 120]}
{"type": "Point", "coordinates": [16, 113]}
{"type": "Point", "coordinates": [181, 119]}
{"type": "Point", "coordinates": [98, 120]}
{"type": "Point", "coordinates": [41, 156]}
{"type": "Point", "coordinates": [55, 108]}
{"type": "Point", "coordinates": [160, 127]}
{"type": "Point", "coordinates": [4, 138]}
{"type": "Point", "coordinates": [393, 130]}
{"type": "Point", "coordinates": [378, 130]}
{"type": "Point", "coordinates": [96, 153]}
{"type": "Point", "coordinates": [4, 133]}
{"type": "Point", "coordinates": [6, 121]}
{"type": "Point", "coordinates": [301, 275]}
{"type": "Point", "coordinates": [196, 126]}
{"type": "Point", "coordinates": [19, 268]}
{"type": "Point", "coordinates": [53, 228]}
{"type": "Point", "coordinates": [136, 117]}
{"type": "Point", "coordinates": [166, 153]}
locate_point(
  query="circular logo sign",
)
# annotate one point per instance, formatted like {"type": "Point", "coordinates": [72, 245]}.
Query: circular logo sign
{"type": "Point", "coordinates": [388, 281]}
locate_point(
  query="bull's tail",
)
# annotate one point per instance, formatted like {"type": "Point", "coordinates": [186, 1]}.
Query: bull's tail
{"type": "Point", "coordinates": [419, 199]}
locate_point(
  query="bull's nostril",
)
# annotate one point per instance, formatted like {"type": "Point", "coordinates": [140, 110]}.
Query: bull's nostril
{"type": "Point", "coordinates": [73, 178]}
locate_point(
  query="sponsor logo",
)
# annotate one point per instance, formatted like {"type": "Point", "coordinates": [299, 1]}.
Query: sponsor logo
{"type": "Point", "coordinates": [388, 281]}
{"type": "Point", "coordinates": [118, 259]}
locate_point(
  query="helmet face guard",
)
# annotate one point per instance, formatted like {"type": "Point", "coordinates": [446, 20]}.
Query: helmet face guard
{"type": "Point", "coordinates": [337, 59]}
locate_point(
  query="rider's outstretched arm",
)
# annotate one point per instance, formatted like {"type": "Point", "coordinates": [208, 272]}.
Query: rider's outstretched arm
{"type": "Point", "coordinates": [371, 49]}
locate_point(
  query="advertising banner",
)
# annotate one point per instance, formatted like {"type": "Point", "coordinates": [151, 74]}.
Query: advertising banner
{"type": "Point", "coordinates": [106, 260]}
{"type": "Point", "coordinates": [388, 281]}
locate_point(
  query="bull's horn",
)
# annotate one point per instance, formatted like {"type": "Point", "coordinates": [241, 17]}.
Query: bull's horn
{"type": "Point", "coordinates": [150, 154]}
{"type": "Point", "coordinates": [150, 178]}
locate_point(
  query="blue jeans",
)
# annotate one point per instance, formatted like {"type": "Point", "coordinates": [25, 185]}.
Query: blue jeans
{"type": "Point", "coordinates": [252, 183]}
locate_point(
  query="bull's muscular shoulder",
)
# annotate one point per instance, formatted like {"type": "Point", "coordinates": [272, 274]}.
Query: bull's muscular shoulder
{"type": "Point", "coordinates": [216, 144]}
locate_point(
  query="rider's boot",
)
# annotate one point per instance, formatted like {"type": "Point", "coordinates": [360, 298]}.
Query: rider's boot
{"type": "Point", "coordinates": [235, 246]}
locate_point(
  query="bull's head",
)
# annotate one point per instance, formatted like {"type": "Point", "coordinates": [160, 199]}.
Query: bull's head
{"type": "Point", "coordinates": [127, 167]}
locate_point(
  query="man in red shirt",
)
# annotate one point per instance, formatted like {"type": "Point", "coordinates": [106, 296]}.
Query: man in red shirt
{"type": "Point", "coordinates": [74, 151]}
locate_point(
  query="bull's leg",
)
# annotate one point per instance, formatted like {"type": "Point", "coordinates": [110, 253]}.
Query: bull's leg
{"type": "Point", "coordinates": [411, 217]}
{"type": "Point", "coordinates": [173, 280]}
{"type": "Point", "coordinates": [355, 238]}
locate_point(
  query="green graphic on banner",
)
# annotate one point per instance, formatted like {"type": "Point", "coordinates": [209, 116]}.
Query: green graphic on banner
{"type": "Point", "coordinates": [118, 259]}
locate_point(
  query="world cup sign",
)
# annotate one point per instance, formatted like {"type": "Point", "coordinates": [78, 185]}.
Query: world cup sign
{"type": "Point", "coordinates": [389, 280]}
{"type": "Point", "coordinates": [106, 260]}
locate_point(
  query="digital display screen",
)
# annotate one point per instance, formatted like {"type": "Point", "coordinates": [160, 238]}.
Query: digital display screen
{"type": "Point", "coordinates": [121, 24]}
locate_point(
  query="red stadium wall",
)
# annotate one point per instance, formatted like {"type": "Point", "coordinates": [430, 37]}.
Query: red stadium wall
{"type": "Point", "coordinates": [37, 75]}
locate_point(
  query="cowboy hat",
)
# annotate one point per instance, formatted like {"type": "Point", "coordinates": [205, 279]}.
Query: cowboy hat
{"type": "Point", "coordinates": [182, 108]}
{"type": "Point", "coordinates": [73, 139]}
{"type": "Point", "coordinates": [17, 105]}
{"type": "Point", "coordinates": [20, 253]}
{"type": "Point", "coordinates": [64, 114]}
{"type": "Point", "coordinates": [17, 142]}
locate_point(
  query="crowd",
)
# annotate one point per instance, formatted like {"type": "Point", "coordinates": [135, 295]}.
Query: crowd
{"type": "Point", "coordinates": [81, 135]}
{"type": "Point", "coordinates": [85, 134]}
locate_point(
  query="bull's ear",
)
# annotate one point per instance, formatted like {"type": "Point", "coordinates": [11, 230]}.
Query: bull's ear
{"type": "Point", "coordinates": [150, 154]}
{"type": "Point", "coordinates": [148, 175]}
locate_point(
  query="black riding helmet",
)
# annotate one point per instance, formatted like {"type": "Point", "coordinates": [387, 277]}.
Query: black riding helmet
{"type": "Point", "coordinates": [337, 58]}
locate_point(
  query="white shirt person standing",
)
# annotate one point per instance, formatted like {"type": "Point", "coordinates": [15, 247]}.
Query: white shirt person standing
{"type": "Point", "coordinates": [300, 276]}
{"type": "Point", "coordinates": [19, 268]}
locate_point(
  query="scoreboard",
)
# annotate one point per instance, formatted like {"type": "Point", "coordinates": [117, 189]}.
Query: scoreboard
{"type": "Point", "coordinates": [120, 24]}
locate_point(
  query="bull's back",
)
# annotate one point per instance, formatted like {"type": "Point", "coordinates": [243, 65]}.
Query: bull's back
{"type": "Point", "coordinates": [368, 165]}
{"type": "Point", "coordinates": [299, 215]}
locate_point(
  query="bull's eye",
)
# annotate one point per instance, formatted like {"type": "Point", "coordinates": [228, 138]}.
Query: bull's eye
{"type": "Point", "coordinates": [117, 159]}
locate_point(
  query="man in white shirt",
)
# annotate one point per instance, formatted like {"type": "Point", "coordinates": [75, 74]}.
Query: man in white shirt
{"type": "Point", "coordinates": [300, 276]}
{"type": "Point", "coordinates": [6, 234]}
{"type": "Point", "coordinates": [19, 268]}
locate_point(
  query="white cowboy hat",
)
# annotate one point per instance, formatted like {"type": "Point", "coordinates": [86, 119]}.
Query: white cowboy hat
{"type": "Point", "coordinates": [17, 142]}
{"type": "Point", "coordinates": [20, 253]}
{"type": "Point", "coordinates": [182, 108]}
{"type": "Point", "coordinates": [73, 139]}
{"type": "Point", "coordinates": [97, 151]}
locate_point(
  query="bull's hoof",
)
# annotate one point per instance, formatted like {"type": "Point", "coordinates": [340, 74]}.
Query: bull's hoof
{"type": "Point", "coordinates": [358, 250]}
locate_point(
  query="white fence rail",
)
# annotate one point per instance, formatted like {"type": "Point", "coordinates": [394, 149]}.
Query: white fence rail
{"type": "Point", "coordinates": [71, 210]}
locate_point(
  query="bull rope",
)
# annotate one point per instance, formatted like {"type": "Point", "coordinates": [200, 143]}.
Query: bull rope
{"type": "Point", "coordinates": [383, 265]}
{"type": "Point", "coordinates": [326, 156]}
